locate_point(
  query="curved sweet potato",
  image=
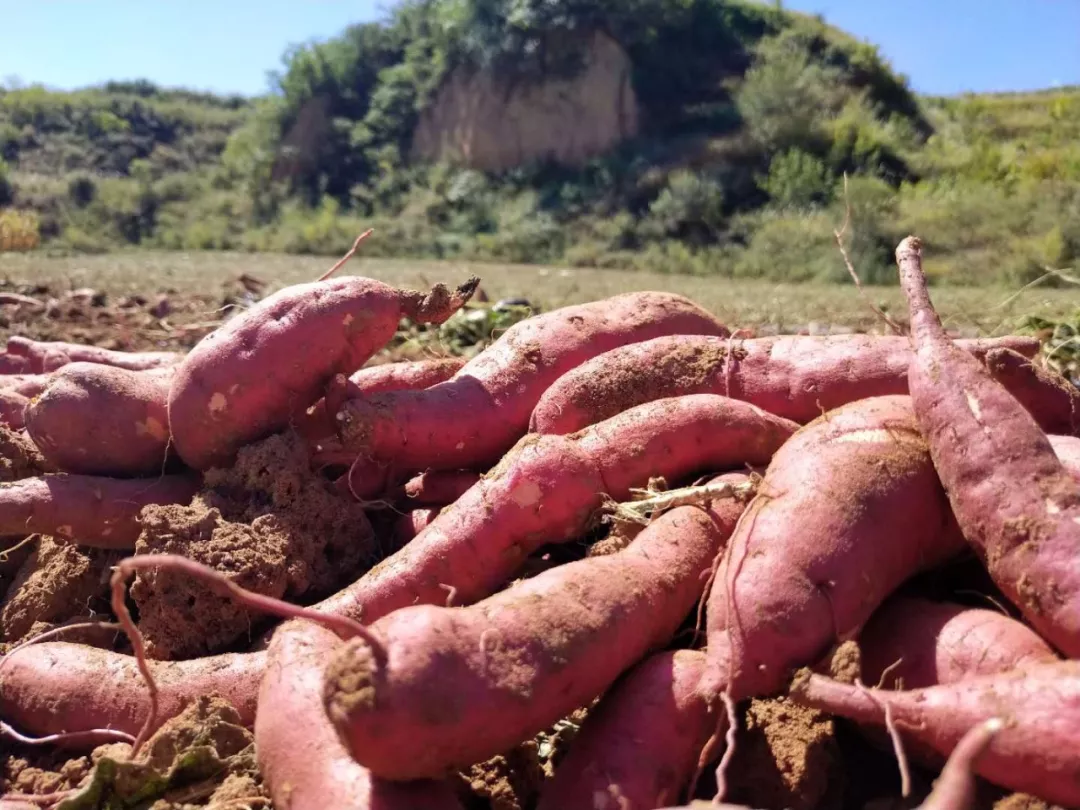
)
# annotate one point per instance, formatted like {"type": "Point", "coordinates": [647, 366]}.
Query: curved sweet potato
{"type": "Point", "coordinates": [55, 687]}
{"type": "Point", "coordinates": [1014, 501]}
{"type": "Point", "coordinates": [439, 487]}
{"type": "Point", "coordinates": [300, 755]}
{"type": "Point", "coordinates": [455, 686]}
{"type": "Point", "coordinates": [849, 508]}
{"type": "Point", "coordinates": [471, 420]}
{"type": "Point", "coordinates": [797, 377]}
{"type": "Point", "coordinates": [85, 509]}
{"type": "Point", "coordinates": [102, 420]}
{"type": "Point", "coordinates": [246, 379]}
{"type": "Point", "coordinates": [43, 356]}
{"type": "Point", "coordinates": [1052, 400]}
{"type": "Point", "coordinates": [1038, 750]}
{"type": "Point", "coordinates": [547, 490]}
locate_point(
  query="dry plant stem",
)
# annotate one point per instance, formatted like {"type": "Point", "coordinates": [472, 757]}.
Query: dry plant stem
{"type": "Point", "coordinates": [352, 252]}
{"type": "Point", "coordinates": [649, 505]}
{"type": "Point", "coordinates": [894, 735]}
{"type": "Point", "coordinates": [70, 737]}
{"type": "Point", "coordinates": [344, 627]}
{"type": "Point", "coordinates": [955, 787]}
{"type": "Point", "coordinates": [44, 799]}
{"type": "Point", "coordinates": [7, 552]}
{"type": "Point", "coordinates": [851, 269]}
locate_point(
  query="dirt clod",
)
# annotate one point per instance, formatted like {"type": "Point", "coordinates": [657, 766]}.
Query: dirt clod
{"type": "Point", "coordinates": [19, 456]}
{"type": "Point", "coordinates": [510, 781]}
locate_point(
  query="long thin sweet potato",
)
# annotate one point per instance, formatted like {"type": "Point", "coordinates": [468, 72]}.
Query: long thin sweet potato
{"type": "Point", "coordinates": [248, 378]}
{"type": "Point", "coordinates": [1038, 750]}
{"type": "Point", "coordinates": [44, 356]}
{"type": "Point", "coordinates": [639, 746]}
{"type": "Point", "coordinates": [102, 420]}
{"type": "Point", "coordinates": [55, 687]}
{"type": "Point", "coordinates": [1052, 400]}
{"type": "Point", "coordinates": [1014, 501]}
{"type": "Point", "coordinates": [85, 509]}
{"type": "Point", "coordinates": [547, 490]}
{"type": "Point", "coordinates": [300, 755]}
{"type": "Point", "coordinates": [797, 377]}
{"type": "Point", "coordinates": [471, 420]}
{"type": "Point", "coordinates": [453, 686]}
{"type": "Point", "coordinates": [849, 508]}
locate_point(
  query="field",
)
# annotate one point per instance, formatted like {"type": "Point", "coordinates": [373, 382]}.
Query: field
{"type": "Point", "coordinates": [763, 305]}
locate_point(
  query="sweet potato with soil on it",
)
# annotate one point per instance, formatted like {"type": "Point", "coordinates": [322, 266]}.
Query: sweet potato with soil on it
{"type": "Point", "coordinates": [439, 487]}
{"type": "Point", "coordinates": [924, 643]}
{"type": "Point", "coordinates": [1037, 752]}
{"type": "Point", "coordinates": [639, 747]}
{"type": "Point", "coordinates": [547, 489]}
{"type": "Point", "coordinates": [1067, 449]}
{"type": "Point", "coordinates": [301, 758]}
{"type": "Point", "coordinates": [849, 508]}
{"type": "Point", "coordinates": [1052, 400]}
{"type": "Point", "coordinates": [471, 420]}
{"type": "Point", "coordinates": [797, 377]}
{"type": "Point", "coordinates": [453, 686]}
{"type": "Point", "coordinates": [13, 364]}
{"type": "Point", "coordinates": [54, 687]}
{"type": "Point", "coordinates": [43, 356]}
{"type": "Point", "coordinates": [13, 409]}
{"type": "Point", "coordinates": [247, 379]}
{"type": "Point", "coordinates": [101, 420]}
{"type": "Point", "coordinates": [1015, 502]}
{"type": "Point", "coordinates": [86, 509]}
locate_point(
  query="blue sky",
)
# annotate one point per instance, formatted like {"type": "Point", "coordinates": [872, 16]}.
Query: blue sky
{"type": "Point", "coordinates": [943, 46]}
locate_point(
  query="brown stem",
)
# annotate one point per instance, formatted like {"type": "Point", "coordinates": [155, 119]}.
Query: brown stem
{"type": "Point", "coordinates": [352, 252]}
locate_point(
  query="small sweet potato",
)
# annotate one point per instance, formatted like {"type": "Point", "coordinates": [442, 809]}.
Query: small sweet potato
{"type": "Point", "coordinates": [473, 419]}
{"type": "Point", "coordinates": [300, 755]}
{"type": "Point", "coordinates": [102, 420]}
{"type": "Point", "coordinates": [14, 364]}
{"type": "Point", "coordinates": [248, 378]}
{"type": "Point", "coordinates": [1016, 504]}
{"type": "Point", "coordinates": [1037, 752]}
{"type": "Point", "coordinates": [85, 509]}
{"type": "Point", "coordinates": [797, 377]}
{"type": "Point", "coordinates": [448, 687]}
{"type": "Point", "coordinates": [409, 525]}
{"type": "Point", "coordinates": [43, 356]}
{"type": "Point", "coordinates": [438, 487]}
{"type": "Point", "coordinates": [1052, 400]}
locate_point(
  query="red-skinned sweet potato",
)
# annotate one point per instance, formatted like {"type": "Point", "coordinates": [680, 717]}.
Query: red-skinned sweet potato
{"type": "Point", "coordinates": [548, 489]}
{"type": "Point", "coordinates": [248, 378]}
{"type": "Point", "coordinates": [102, 420]}
{"type": "Point", "coordinates": [1067, 449]}
{"type": "Point", "coordinates": [1037, 752]}
{"type": "Point", "coordinates": [85, 509]}
{"type": "Point", "coordinates": [849, 508]}
{"type": "Point", "coordinates": [797, 377]}
{"type": "Point", "coordinates": [300, 755]}
{"type": "Point", "coordinates": [44, 356]}
{"type": "Point", "coordinates": [454, 686]}
{"type": "Point", "coordinates": [1014, 501]}
{"type": "Point", "coordinates": [14, 364]}
{"type": "Point", "coordinates": [409, 525]}
{"type": "Point", "coordinates": [471, 420]}
{"type": "Point", "coordinates": [16, 391]}
{"type": "Point", "coordinates": [1052, 400]}
{"type": "Point", "coordinates": [438, 487]}
{"type": "Point", "coordinates": [955, 789]}
{"type": "Point", "coordinates": [639, 746]}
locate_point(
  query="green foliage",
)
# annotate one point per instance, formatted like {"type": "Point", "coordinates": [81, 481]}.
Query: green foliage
{"type": "Point", "coordinates": [798, 179]}
{"type": "Point", "coordinates": [690, 208]}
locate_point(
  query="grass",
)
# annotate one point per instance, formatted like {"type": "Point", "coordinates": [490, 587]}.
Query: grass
{"type": "Point", "coordinates": [766, 306]}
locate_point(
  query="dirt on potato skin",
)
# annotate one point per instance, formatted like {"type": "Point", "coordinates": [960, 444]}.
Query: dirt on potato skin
{"type": "Point", "coordinates": [271, 524]}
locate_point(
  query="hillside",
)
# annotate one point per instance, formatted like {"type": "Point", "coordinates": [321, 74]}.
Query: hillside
{"type": "Point", "coordinates": [698, 136]}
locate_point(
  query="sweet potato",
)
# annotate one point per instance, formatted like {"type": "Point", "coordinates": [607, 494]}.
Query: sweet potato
{"type": "Point", "coordinates": [439, 487]}
{"type": "Point", "coordinates": [849, 508]}
{"type": "Point", "coordinates": [797, 377]}
{"type": "Point", "coordinates": [956, 787]}
{"type": "Point", "coordinates": [102, 420]}
{"type": "Point", "coordinates": [14, 364]}
{"type": "Point", "coordinates": [924, 643]}
{"type": "Point", "coordinates": [1067, 449]}
{"type": "Point", "coordinates": [1014, 501]}
{"type": "Point", "coordinates": [409, 525]}
{"type": "Point", "coordinates": [300, 755]}
{"type": "Point", "coordinates": [55, 687]}
{"type": "Point", "coordinates": [548, 488]}
{"type": "Point", "coordinates": [43, 356]}
{"type": "Point", "coordinates": [1037, 752]}
{"type": "Point", "coordinates": [638, 748]}
{"type": "Point", "coordinates": [453, 686]}
{"type": "Point", "coordinates": [85, 509]}
{"type": "Point", "coordinates": [29, 385]}
{"type": "Point", "coordinates": [1052, 400]}
{"type": "Point", "coordinates": [248, 378]}
{"type": "Point", "coordinates": [471, 420]}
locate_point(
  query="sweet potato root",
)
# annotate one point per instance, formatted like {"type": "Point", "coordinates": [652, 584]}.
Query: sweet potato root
{"type": "Point", "coordinates": [1052, 400]}
{"type": "Point", "coordinates": [454, 686]}
{"type": "Point", "coordinates": [1014, 501]}
{"type": "Point", "coordinates": [102, 420]}
{"type": "Point", "coordinates": [640, 743]}
{"type": "Point", "coordinates": [797, 377]}
{"type": "Point", "coordinates": [44, 356]}
{"type": "Point", "coordinates": [89, 510]}
{"type": "Point", "coordinates": [547, 490]}
{"type": "Point", "coordinates": [300, 755]}
{"type": "Point", "coordinates": [54, 687]}
{"type": "Point", "coordinates": [849, 508]}
{"type": "Point", "coordinates": [1037, 752]}
{"type": "Point", "coordinates": [471, 420]}
{"type": "Point", "coordinates": [955, 788]}
{"type": "Point", "coordinates": [248, 378]}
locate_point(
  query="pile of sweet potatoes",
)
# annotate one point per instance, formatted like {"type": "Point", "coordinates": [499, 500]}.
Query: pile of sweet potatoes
{"type": "Point", "coordinates": [619, 517]}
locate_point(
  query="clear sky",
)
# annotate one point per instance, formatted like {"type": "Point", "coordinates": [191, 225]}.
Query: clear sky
{"type": "Point", "coordinates": [943, 46]}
